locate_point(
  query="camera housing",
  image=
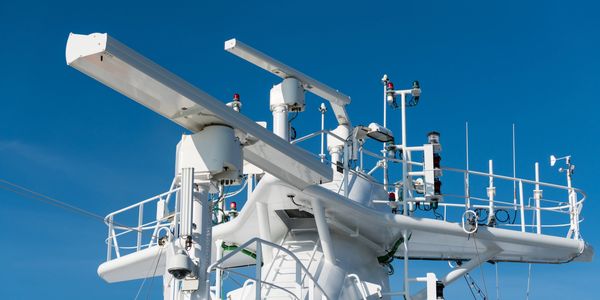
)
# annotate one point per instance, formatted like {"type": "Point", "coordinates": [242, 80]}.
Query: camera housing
{"type": "Point", "coordinates": [179, 265]}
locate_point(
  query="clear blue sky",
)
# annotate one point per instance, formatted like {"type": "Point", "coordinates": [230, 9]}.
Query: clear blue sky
{"type": "Point", "coordinates": [492, 64]}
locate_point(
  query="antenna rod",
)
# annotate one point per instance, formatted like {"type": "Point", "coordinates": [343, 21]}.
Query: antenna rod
{"type": "Point", "coordinates": [514, 157]}
{"type": "Point", "coordinates": [467, 187]}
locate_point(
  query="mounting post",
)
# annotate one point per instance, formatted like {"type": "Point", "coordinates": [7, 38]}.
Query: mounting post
{"type": "Point", "coordinates": [491, 192]}
{"type": "Point", "coordinates": [323, 230]}
{"type": "Point", "coordinates": [537, 195]}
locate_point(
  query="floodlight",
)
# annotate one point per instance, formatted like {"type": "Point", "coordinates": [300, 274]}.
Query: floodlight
{"type": "Point", "coordinates": [552, 160]}
{"type": "Point", "coordinates": [380, 133]}
{"type": "Point", "coordinates": [337, 99]}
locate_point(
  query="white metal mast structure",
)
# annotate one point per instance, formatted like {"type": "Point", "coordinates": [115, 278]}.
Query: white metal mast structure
{"type": "Point", "coordinates": [312, 227]}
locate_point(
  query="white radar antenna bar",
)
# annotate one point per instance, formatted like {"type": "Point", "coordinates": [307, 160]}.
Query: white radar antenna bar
{"type": "Point", "coordinates": [123, 69]}
{"type": "Point", "coordinates": [337, 99]}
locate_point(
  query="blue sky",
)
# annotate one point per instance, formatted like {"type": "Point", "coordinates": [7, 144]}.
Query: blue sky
{"type": "Point", "coordinates": [491, 64]}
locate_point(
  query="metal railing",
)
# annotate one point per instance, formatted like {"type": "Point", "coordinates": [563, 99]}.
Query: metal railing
{"type": "Point", "coordinates": [301, 271]}
{"type": "Point", "coordinates": [507, 214]}
{"type": "Point", "coordinates": [117, 229]}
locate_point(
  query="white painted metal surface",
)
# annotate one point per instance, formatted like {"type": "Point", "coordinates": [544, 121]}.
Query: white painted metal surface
{"type": "Point", "coordinates": [121, 68]}
{"type": "Point", "coordinates": [337, 99]}
{"type": "Point", "coordinates": [323, 234]}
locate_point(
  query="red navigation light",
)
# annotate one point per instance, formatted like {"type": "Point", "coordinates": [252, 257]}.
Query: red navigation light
{"type": "Point", "coordinates": [233, 205]}
{"type": "Point", "coordinates": [236, 97]}
{"type": "Point", "coordinates": [390, 86]}
{"type": "Point", "coordinates": [392, 196]}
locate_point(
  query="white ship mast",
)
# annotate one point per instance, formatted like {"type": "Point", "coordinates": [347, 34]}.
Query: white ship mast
{"type": "Point", "coordinates": [313, 228]}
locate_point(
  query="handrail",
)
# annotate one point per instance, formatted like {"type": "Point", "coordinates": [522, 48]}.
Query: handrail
{"type": "Point", "coordinates": [571, 207]}
{"type": "Point", "coordinates": [516, 179]}
{"type": "Point", "coordinates": [259, 242]}
{"type": "Point", "coordinates": [361, 288]}
{"type": "Point", "coordinates": [261, 281]}
{"type": "Point", "coordinates": [117, 230]}
{"type": "Point", "coordinates": [157, 197]}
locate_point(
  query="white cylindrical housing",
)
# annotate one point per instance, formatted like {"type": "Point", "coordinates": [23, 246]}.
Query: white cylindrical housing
{"type": "Point", "coordinates": [214, 152]}
{"type": "Point", "coordinates": [186, 202]}
{"type": "Point", "coordinates": [280, 122]}
{"type": "Point", "coordinates": [336, 142]}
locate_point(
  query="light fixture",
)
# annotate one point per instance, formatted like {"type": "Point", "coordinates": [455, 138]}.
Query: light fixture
{"type": "Point", "coordinates": [380, 133]}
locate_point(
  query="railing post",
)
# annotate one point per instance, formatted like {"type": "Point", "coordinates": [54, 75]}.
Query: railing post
{"type": "Point", "coordinates": [346, 171]}
{"type": "Point", "coordinates": [110, 243]}
{"type": "Point", "coordinates": [258, 284]}
{"type": "Point", "coordinates": [537, 195]}
{"type": "Point", "coordinates": [521, 205]}
{"type": "Point", "coordinates": [406, 277]}
{"type": "Point", "coordinates": [491, 192]}
{"type": "Point", "coordinates": [218, 271]}
{"type": "Point", "coordinates": [139, 228]}
{"type": "Point", "coordinates": [322, 109]}
{"type": "Point", "coordinates": [299, 279]}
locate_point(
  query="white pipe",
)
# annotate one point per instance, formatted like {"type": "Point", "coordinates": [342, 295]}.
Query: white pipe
{"type": "Point", "coordinates": [264, 228]}
{"type": "Point", "coordinates": [346, 171]}
{"type": "Point", "coordinates": [405, 177]}
{"type": "Point", "coordinates": [383, 151]}
{"type": "Point", "coordinates": [259, 262]}
{"type": "Point", "coordinates": [406, 277]}
{"type": "Point", "coordinates": [467, 185]}
{"type": "Point", "coordinates": [385, 104]}
{"type": "Point", "coordinates": [537, 194]}
{"type": "Point", "coordinates": [250, 186]}
{"type": "Point", "coordinates": [403, 106]}
{"type": "Point", "coordinates": [186, 201]}
{"type": "Point", "coordinates": [219, 272]}
{"type": "Point", "coordinates": [322, 154]}
{"type": "Point", "coordinates": [491, 192]}
{"type": "Point", "coordinates": [514, 158]}
{"type": "Point", "coordinates": [280, 122]}
{"type": "Point", "coordinates": [574, 214]}
{"type": "Point", "coordinates": [522, 206]}
{"type": "Point", "coordinates": [202, 238]}
{"type": "Point", "coordinates": [323, 230]}
{"type": "Point", "coordinates": [335, 154]}
{"type": "Point", "coordinates": [459, 272]}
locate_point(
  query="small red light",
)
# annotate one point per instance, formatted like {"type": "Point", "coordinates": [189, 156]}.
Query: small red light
{"type": "Point", "coordinates": [233, 205]}
{"type": "Point", "coordinates": [392, 196]}
{"type": "Point", "coordinates": [390, 86]}
{"type": "Point", "coordinates": [236, 97]}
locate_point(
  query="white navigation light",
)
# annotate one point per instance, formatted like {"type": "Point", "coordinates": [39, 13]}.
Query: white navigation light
{"type": "Point", "coordinates": [337, 99]}
{"type": "Point", "coordinates": [552, 160]}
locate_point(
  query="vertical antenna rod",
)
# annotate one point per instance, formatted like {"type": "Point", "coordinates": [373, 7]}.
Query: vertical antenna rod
{"type": "Point", "coordinates": [467, 187]}
{"type": "Point", "coordinates": [514, 157]}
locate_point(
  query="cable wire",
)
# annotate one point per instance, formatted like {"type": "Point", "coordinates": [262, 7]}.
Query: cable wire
{"type": "Point", "coordinates": [25, 192]}
{"type": "Point", "coordinates": [480, 267]}
{"type": "Point", "coordinates": [153, 274]}
{"type": "Point", "coordinates": [28, 193]}
{"type": "Point", "coordinates": [157, 257]}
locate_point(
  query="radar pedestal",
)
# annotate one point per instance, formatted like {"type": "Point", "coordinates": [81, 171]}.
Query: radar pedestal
{"type": "Point", "coordinates": [206, 160]}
